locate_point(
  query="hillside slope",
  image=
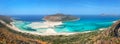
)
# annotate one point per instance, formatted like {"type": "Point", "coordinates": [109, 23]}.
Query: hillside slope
{"type": "Point", "coordinates": [108, 36]}
{"type": "Point", "coordinates": [7, 37]}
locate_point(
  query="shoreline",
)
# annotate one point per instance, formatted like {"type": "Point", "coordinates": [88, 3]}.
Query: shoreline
{"type": "Point", "coordinates": [48, 32]}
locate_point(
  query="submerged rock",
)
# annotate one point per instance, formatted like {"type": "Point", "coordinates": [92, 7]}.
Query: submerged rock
{"type": "Point", "coordinates": [60, 17]}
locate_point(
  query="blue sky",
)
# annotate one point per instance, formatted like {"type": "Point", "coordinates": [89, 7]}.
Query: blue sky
{"type": "Point", "coordinates": [59, 6]}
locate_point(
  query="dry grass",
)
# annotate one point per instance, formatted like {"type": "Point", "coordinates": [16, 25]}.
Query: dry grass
{"type": "Point", "coordinates": [6, 37]}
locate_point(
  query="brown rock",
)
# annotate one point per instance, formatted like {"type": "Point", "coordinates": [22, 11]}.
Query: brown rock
{"type": "Point", "coordinates": [7, 19]}
{"type": "Point", "coordinates": [115, 29]}
{"type": "Point", "coordinates": [60, 17]}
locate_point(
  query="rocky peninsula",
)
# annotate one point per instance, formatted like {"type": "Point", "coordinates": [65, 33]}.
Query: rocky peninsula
{"type": "Point", "coordinates": [6, 19]}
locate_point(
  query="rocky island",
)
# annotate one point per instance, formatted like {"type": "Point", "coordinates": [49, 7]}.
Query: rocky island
{"type": "Point", "coordinates": [60, 17]}
{"type": "Point", "coordinates": [51, 21]}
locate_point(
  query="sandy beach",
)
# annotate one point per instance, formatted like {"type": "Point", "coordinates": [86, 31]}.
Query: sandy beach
{"type": "Point", "coordinates": [46, 24]}
{"type": "Point", "coordinates": [49, 31]}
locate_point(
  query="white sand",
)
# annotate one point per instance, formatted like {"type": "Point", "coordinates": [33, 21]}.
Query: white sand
{"type": "Point", "coordinates": [50, 31]}
{"type": "Point", "coordinates": [46, 24]}
{"type": "Point", "coordinates": [114, 21]}
{"type": "Point", "coordinates": [103, 28]}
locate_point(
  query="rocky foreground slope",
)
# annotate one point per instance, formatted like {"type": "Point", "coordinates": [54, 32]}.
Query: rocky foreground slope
{"type": "Point", "coordinates": [7, 36]}
{"type": "Point", "coordinates": [109, 36]}
{"type": "Point", "coordinates": [115, 29]}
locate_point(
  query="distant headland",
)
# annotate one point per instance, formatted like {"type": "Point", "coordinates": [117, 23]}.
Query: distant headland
{"type": "Point", "coordinates": [7, 19]}
{"type": "Point", "coordinates": [60, 17]}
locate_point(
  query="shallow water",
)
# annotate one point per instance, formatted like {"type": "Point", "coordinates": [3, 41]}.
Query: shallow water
{"type": "Point", "coordinates": [86, 23]}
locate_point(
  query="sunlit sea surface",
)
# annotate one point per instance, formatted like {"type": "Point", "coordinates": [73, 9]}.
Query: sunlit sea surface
{"type": "Point", "coordinates": [86, 23]}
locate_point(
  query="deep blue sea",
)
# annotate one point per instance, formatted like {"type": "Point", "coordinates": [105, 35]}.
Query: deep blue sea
{"type": "Point", "coordinates": [86, 23]}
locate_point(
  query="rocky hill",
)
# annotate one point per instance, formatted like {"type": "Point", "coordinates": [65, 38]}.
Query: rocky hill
{"type": "Point", "coordinates": [60, 17]}
{"type": "Point", "coordinates": [7, 19]}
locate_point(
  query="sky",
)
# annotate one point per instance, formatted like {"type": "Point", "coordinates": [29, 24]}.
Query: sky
{"type": "Point", "coordinates": [89, 7]}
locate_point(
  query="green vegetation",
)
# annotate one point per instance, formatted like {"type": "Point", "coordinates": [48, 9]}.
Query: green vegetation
{"type": "Point", "coordinates": [61, 39]}
{"type": "Point", "coordinates": [6, 37]}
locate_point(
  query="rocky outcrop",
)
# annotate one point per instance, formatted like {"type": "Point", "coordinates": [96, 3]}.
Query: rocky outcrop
{"type": "Point", "coordinates": [6, 19]}
{"type": "Point", "coordinates": [60, 17]}
{"type": "Point", "coordinates": [115, 29]}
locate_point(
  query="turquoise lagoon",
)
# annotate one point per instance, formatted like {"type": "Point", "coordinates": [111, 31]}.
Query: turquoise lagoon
{"type": "Point", "coordinates": [86, 23]}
